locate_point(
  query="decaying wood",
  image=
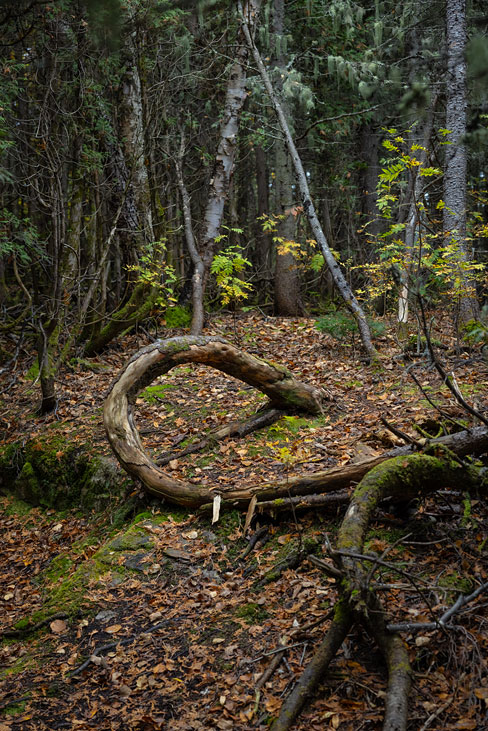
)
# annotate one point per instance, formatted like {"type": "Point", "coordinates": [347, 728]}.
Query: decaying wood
{"type": "Point", "coordinates": [411, 474]}
{"type": "Point", "coordinates": [239, 429]}
{"type": "Point", "coordinates": [284, 392]}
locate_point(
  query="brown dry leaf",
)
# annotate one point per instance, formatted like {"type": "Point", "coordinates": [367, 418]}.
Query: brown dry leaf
{"type": "Point", "coordinates": [481, 693]}
{"type": "Point", "coordinates": [114, 628]}
{"type": "Point", "coordinates": [58, 626]}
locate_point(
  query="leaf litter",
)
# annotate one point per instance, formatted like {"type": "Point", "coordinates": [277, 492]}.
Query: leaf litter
{"type": "Point", "coordinates": [181, 640]}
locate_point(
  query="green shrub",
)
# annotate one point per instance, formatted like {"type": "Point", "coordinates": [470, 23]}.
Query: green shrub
{"type": "Point", "coordinates": [177, 316]}
{"type": "Point", "coordinates": [341, 325]}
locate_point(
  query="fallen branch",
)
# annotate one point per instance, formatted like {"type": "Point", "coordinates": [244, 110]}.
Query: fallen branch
{"type": "Point", "coordinates": [315, 670]}
{"type": "Point", "coordinates": [236, 429]}
{"type": "Point", "coordinates": [277, 383]}
{"type": "Point", "coordinates": [304, 502]}
{"type": "Point", "coordinates": [400, 477]}
{"type": "Point", "coordinates": [441, 623]}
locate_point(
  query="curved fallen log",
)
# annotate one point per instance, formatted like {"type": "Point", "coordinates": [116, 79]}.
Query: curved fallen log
{"type": "Point", "coordinates": [283, 390]}
{"type": "Point", "coordinates": [416, 474]}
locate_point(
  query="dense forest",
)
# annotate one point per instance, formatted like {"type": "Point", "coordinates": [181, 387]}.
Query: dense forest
{"type": "Point", "coordinates": [186, 184]}
{"type": "Point", "coordinates": [160, 159]}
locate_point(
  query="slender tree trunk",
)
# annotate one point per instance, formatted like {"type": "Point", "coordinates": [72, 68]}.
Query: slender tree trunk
{"type": "Point", "coordinates": [336, 272]}
{"type": "Point", "coordinates": [224, 162]}
{"type": "Point", "coordinates": [412, 224]}
{"type": "Point", "coordinates": [198, 265]}
{"type": "Point", "coordinates": [286, 284]}
{"type": "Point", "coordinates": [456, 156]}
{"type": "Point", "coordinates": [263, 240]}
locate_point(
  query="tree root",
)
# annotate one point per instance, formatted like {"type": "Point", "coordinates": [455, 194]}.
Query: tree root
{"type": "Point", "coordinates": [401, 477]}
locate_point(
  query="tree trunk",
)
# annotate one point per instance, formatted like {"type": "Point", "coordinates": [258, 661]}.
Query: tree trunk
{"type": "Point", "coordinates": [336, 272]}
{"type": "Point", "coordinates": [263, 240]}
{"type": "Point", "coordinates": [456, 156]}
{"type": "Point", "coordinates": [413, 225]}
{"type": "Point", "coordinates": [220, 183]}
{"type": "Point", "coordinates": [287, 284]}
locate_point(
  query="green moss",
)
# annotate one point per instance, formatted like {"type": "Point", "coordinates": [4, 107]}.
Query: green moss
{"type": "Point", "coordinates": [56, 471]}
{"type": "Point", "coordinates": [11, 462]}
{"type": "Point", "coordinates": [21, 624]}
{"type": "Point", "coordinates": [17, 507]}
{"type": "Point", "coordinates": [15, 709]}
{"type": "Point", "coordinates": [58, 568]}
{"type": "Point", "coordinates": [228, 523]}
{"type": "Point", "coordinates": [252, 613]}
{"type": "Point", "coordinates": [28, 487]}
{"type": "Point", "coordinates": [456, 582]}
{"type": "Point", "coordinates": [33, 372]}
{"type": "Point", "coordinates": [153, 394]}
{"type": "Point", "coordinates": [177, 317]}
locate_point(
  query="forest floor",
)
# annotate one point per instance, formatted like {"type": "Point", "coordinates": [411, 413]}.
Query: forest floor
{"type": "Point", "coordinates": [190, 623]}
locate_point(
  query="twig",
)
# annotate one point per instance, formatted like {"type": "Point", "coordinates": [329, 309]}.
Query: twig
{"type": "Point", "coordinates": [326, 568]}
{"type": "Point", "coordinates": [391, 567]}
{"type": "Point", "coordinates": [283, 648]}
{"type": "Point", "coordinates": [449, 381]}
{"type": "Point", "coordinates": [305, 501]}
{"type": "Point", "coordinates": [441, 623]}
{"type": "Point", "coordinates": [112, 645]}
{"type": "Point", "coordinates": [437, 713]}
{"type": "Point", "coordinates": [336, 118]}
{"type": "Point", "coordinates": [236, 428]}
{"type": "Point", "coordinates": [14, 701]}
{"type": "Point", "coordinates": [432, 403]}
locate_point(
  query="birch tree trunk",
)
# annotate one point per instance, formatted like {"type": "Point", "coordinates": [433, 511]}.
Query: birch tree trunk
{"type": "Point", "coordinates": [221, 180]}
{"type": "Point", "coordinates": [412, 224]}
{"type": "Point", "coordinates": [338, 277]}
{"type": "Point", "coordinates": [456, 157]}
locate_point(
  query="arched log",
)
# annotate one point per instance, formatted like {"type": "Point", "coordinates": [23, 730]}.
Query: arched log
{"type": "Point", "coordinates": [283, 390]}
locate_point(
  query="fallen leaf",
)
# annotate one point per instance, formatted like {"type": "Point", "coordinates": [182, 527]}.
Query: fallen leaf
{"type": "Point", "coordinates": [58, 626]}
{"type": "Point", "coordinates": [114, 628]}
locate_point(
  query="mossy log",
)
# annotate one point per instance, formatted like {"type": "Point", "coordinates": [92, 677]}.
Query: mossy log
{"type": "Point", "coordinates": [401, 477]}
{"type": "Point", "coordinates": [284, 392]}
{"type": "Point", "coordinates": [275, 381]}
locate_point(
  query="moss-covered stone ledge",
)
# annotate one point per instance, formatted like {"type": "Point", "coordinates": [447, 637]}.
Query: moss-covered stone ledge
{"type": "Point", "coordinates": [52, 472]}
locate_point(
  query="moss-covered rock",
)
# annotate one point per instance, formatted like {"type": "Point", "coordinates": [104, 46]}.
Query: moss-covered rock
{"type": "Point", "coordinates": [51, 471]}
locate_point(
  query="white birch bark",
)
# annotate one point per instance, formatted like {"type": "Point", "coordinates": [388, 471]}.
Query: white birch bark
{"type": "Point", "coordinates": [221, 180]}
